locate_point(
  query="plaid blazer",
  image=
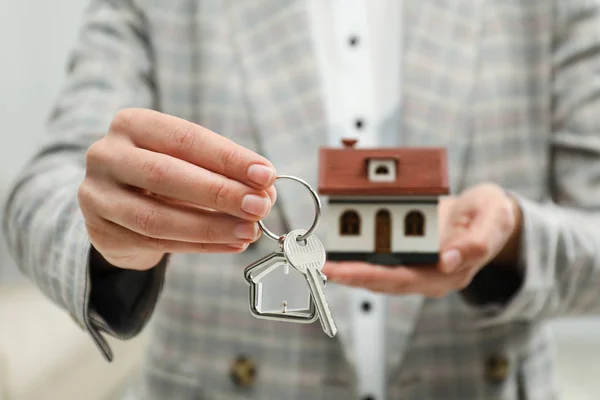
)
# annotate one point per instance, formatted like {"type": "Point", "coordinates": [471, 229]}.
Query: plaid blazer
{"type": "Point", "coordinates": [511, 88]}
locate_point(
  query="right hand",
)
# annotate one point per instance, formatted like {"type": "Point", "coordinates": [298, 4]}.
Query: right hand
{"type": "Point", "coordinates": [157, 184]}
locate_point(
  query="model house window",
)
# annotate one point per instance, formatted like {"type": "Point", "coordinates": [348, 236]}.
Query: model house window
{"type": "Point", "coordinates": [350, 223]}
{"type": "Point", "coordinates": [382, 170]}
{"type": "Point", "coordinates": [414, 224]}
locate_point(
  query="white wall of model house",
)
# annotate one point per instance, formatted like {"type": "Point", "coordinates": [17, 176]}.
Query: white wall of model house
{"type": "Point", "coordinates": [365, 240]}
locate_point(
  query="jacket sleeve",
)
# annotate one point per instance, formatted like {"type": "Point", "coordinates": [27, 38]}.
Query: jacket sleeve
{"type": "Point", "coordinates": [559, 272]}
{"type": "Point", "coordinates": [110, 69]}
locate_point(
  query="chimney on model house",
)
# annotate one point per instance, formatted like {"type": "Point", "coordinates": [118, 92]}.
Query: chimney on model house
{"type": "Point", "coordinates": [349, 143]}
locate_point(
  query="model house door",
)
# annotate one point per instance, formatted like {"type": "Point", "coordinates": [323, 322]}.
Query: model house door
{"type": "Point", "coordinates": [383, 232]}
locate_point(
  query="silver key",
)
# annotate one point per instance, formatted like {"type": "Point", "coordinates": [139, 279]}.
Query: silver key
{"type": "Point", "coordinates": [278, 291]}
{"type": "Point", "coordinates": [308, 257]}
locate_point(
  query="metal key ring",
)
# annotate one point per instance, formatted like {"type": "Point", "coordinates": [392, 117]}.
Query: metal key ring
{"type": "Point", "coordinates": [317, 202]}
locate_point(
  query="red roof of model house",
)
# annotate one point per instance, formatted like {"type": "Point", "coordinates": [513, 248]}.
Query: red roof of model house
{"type": "Point", "coordinates": [351, 171]}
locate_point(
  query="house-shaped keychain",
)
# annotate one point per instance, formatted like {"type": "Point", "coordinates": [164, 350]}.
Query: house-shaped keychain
{"type": "Point", "coordinates": [383, 203]}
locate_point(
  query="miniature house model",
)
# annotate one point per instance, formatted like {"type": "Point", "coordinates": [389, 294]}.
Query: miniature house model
{"type": "Point", "coordinates": [382, 203]}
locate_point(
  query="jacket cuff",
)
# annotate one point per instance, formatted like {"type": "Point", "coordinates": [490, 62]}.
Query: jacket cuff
{"type": "Point", "coordinates": [122, 301]}
{"type": "Point", "coordinates": [75, 278]}
{"type": "Point", "coordinates": [501, 294]}
{"type": "Point", "coordinates": [78, 281]}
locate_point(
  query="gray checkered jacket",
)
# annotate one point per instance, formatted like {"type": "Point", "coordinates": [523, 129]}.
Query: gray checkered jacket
{"type": "Point", "coordinates": [511, 88]}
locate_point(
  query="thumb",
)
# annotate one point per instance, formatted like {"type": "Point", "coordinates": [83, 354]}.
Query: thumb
{"type": "Point", "coordinates": [463, 251]}
{"type": "Point", "coordinates": [475, 238]}
{"type": "Point", "coordinates": [458, 246]}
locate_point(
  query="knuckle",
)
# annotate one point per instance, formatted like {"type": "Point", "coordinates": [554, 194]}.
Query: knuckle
{"type": "Point", "coordinates": [211, 233]}
{"type": "Point", "coordinates": [228, 158]}
{"type": "Point", "coordinates": [148, 221]}
{"type": "Point", "coordinates": [124, 120]}
{"type": "Point", "coordinates": [218, 193]}
{"type": "Point", "coordinates": [183, 140]}
{"type": "Point", "coordinates": [97, 154]}
{"type": "Point", "coordinates": [95, 199]}
{"type": "Point", "coordinates": [85, 195]}
{"type": "Point", "coordinates": [155, 172]}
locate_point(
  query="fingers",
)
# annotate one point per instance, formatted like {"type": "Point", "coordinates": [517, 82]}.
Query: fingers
{"type": "Point", "coordinates": [119, 238]}
{"type": "Point", "coordinates": [170, 177]}
{"type": "Point", "coordinates": [474, 228]}
{"type": "Point", "coordinates": [156, 219]}
{"type": "Point", "coordinates": [130, 250]}
{"type": "Point", "coordinates": [477, 228]}
{"type": "Point", "coordinates": [199, 146]}
{"type": "Point", "coordinates": [272, 192]}
{"type": "Point", "coordinates": [451, 260]}
{"type": "Point", "coordinates": [398, 280]}
{"type": "Point", "coordinates": [367, 275]}
{"type": "Point", "coordinates": [494, 223]}
{"type": "Point", "coordinates": [158, 184]}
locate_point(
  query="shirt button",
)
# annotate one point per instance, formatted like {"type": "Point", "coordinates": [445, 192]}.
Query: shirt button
{"type": "Point", "coordinates": [366, 306]}
{"type": "Point", "coordinates": [497, 369]}
{"type": "Point", "coordinates": [353, 40]}
{"type": "Point", "coordinates": [359, 123]}
{"type": "Point", "coordinates": [243, 371]}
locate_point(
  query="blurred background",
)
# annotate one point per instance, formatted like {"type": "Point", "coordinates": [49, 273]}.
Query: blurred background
{"type": "Point", "coordinates": [43, 354]}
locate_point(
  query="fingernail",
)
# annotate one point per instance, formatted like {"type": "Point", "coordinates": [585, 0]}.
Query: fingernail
{"type": "Point", "coordinates": [260, 174]}
{"type": "Point", "coordinates": [238, 245]}
{"type": "Point", "coordinates": [256, 205]}
{"type": "Point", "coordinates": [246, 230]}
{"type": "Point", "coordinates": [451, 260]}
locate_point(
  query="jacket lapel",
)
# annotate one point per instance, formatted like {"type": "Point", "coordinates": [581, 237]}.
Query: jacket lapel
{"type": "Point", "coordinates": [440, 67]}
{"type": "Point", "coordinates": [283, 91]}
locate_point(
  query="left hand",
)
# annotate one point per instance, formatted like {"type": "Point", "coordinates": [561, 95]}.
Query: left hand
{"type": "Point", "coordinates": [479, 227]}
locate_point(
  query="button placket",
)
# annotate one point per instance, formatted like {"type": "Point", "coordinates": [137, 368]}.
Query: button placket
{"type": "Point", "coordinates": [356, 80]}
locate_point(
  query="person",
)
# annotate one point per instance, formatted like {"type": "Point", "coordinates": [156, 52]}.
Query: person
{"type": "Point", "coordinates": [176, 117]}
